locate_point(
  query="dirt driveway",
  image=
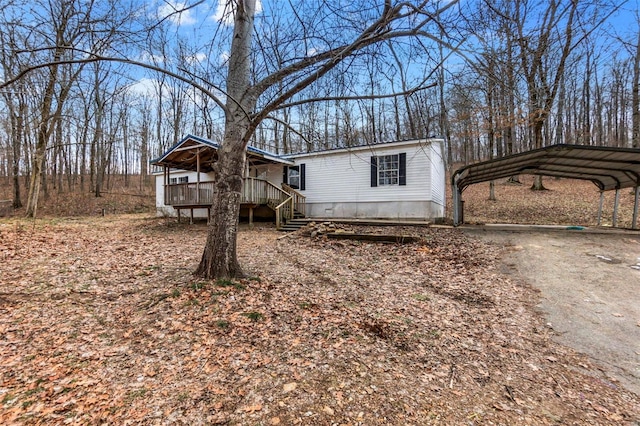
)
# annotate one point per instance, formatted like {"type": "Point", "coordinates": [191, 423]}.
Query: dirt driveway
{"type": "Point", "coordinates": [590, 289]}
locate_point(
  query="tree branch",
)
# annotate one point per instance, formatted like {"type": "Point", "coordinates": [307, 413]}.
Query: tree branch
{"type": "Point", "coordinates": [376, 32]}
{"type": "Point", "coordinates": [291, 128]}
{"type": "Point", "coordinates": [99, 58]}
{"type": "Point", "coordinates": [355, 98]}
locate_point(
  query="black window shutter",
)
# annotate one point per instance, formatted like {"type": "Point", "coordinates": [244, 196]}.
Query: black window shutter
{"type": "Point", "coordinates": [285, 175]}
{"type": "Point", "coordinates": [402, 169]}
{"type": "Point", "coordinates": [374, 171]}
{"type": "Point", "coordinates": [302, 178]}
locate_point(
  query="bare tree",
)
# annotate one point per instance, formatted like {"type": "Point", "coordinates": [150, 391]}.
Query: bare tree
{"type": "Point", "coordinates": [544, 51]}
{"type": "Point", "coordinates": [635, 97]}
{"type": "Point", "coordinates": [321, 38]}
{"type": "Point", "coordinates": [242, 118]}
{"type": "Point", "coordinates": [17, 109]}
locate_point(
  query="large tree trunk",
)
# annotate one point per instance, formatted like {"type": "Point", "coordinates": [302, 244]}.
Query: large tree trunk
{"type": "Point", "coordinates": [219, 259]}
{"type": "Point", "coordinates": [17, 131]}
{"type": "Point", "coordinates": [37, 170]}
{"type": "Point", "coordinates": [15, 170]}
{"type": "Point", "coordinates": [44, 131]}
{"type": "Point", "coordinates": [537, 134]}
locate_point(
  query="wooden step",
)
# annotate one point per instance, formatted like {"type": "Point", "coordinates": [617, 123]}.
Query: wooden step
{"type": "Point", "coordinates": [294, 225]}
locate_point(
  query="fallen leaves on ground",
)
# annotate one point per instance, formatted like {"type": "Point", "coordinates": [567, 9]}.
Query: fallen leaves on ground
{"type": "Point", "coordinates": [565, 202]}
{"type": "Point", "coordinates": [102, 322]}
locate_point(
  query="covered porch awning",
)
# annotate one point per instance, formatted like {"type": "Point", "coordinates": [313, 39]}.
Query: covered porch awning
{"type": "Point", "coordinates": [607, 167]}
{"type": "Point", "coordinates": [194, 153]}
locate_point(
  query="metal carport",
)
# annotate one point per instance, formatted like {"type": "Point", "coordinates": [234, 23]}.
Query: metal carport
{"type": "Point", "coordinates": [608, 168]}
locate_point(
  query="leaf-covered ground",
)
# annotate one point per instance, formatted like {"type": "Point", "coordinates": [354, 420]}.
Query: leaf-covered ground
{"type": "Point", "coordinates": [102, 322]}
{"type": "Point", "coordinates": [566, 202]}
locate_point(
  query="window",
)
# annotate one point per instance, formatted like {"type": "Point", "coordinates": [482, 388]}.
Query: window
{"type": "Point", "coordinates": [389, 170]}
{"type": "Point", "coordinates": [294, 176]}
{"type": "Point", "coordinates": [181, 179]}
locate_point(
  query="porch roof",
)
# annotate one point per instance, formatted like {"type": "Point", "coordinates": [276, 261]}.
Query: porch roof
{"type": "Point", "coordinates": [184, 155]}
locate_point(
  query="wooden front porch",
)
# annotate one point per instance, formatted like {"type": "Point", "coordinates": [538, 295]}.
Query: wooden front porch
{"type": "Point", "coordinates": [286, 202]}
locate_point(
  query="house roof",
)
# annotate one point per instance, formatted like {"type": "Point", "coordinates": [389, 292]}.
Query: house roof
{"type": "Point", "coordinates": [184, 155]}
{"type": "Point", "coordinates": [364, 147]}
{"type": "Point", "coordinates": [608, 168]}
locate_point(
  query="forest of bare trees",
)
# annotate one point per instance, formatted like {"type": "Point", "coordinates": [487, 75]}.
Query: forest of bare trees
{"type": "Point", "coordinates": [505, 77]}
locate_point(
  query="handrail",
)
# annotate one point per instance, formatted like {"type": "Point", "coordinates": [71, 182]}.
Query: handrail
{"type": "Point", "coordinates": [277, 189]}
{"type": "Point", "coordinates": [299, 200]}
{"type": "Point", "coordinates": [281, 213]}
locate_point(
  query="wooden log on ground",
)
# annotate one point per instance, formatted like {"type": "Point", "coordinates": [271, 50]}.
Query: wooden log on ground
{"type": "Point", "coordinates": [381, 238]}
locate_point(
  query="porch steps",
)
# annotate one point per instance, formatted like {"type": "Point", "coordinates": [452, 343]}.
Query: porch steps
{"type": "Point", "coordinates": [294, 224]}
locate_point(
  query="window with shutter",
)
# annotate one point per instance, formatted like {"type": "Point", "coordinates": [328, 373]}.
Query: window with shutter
{"type": "Point", "coordinates": [389, 170]}
{"type": "Point", "coordinates": [294, 176]}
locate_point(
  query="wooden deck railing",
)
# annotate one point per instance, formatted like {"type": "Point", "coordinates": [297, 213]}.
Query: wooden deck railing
{"type": "Point", "coordinates": [260, 191]}
{"type": "Point", "coordinates": [254, 191]}
{"type": "Point", "coordinates": [189, 194]}
{"type": "Point", "coordinates": [284, 201]}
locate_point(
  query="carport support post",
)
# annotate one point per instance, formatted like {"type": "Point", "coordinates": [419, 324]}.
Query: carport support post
{"type": "Point", "coordinates": [615, 208]}
{"type": "Point", "coordinates": [600, 208]}
{"type": "Point", "coordinates": [634, 223]}
{"type": "Point", "coordinates": [457, 205]}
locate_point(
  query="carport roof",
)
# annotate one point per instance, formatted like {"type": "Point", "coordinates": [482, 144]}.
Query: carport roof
{"type": "Point", "coordinates": [608, 168]}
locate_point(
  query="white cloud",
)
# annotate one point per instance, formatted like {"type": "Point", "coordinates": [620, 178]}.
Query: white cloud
{"type": "Point", "coordinates": [224, 11]}
{"type": "Point", "coordinates": [172, 11]}
{"type": "Point", "coordinates": [144, 87]}
{"type": "Point", "coordinates": [151, 58]}
{"type": "Point", "coordinates": [196, 58]}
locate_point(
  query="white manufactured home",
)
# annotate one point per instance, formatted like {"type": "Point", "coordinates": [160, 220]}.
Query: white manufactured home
{"type": "Point", "coordinates": [395, 180]}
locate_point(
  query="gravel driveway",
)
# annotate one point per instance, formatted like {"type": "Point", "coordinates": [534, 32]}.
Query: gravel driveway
{"type": "Point", "coordinates": [590, 289]}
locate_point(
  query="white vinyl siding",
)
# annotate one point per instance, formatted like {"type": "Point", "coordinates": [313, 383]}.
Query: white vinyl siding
{"type": "Point", "coordinates": [438, 173]}
{"type": "Point", "coordinates": [272, 173]}
{"type": "Point", "coordinates": [345, 176]}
